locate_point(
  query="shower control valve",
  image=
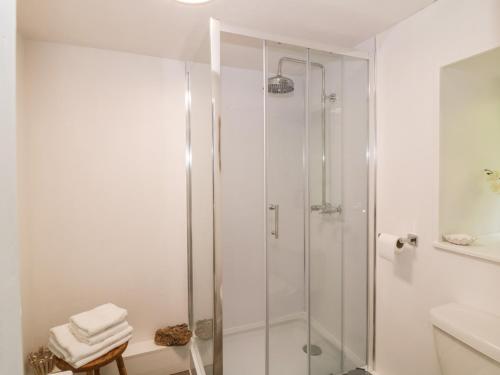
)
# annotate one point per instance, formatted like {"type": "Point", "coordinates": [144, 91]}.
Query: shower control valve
{"type": "Point", "coordinates": [327, 208]}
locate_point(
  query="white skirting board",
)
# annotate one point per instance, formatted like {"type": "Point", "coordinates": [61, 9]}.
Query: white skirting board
{"type": "Point", "coordinates": [145, 357]}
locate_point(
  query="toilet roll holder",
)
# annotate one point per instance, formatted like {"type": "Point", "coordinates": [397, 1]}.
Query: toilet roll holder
{"type": "Point", "coordinates": [411, 239]}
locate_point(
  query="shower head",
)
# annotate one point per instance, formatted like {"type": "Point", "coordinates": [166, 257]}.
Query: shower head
{"type": "Point", "coordinates": [279, 85]}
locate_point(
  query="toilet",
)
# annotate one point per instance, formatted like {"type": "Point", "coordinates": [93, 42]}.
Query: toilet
{"type": "Point", "coordinates": [467, 340]}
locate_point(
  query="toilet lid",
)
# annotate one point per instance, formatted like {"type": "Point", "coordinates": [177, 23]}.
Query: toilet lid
{"type": "Point", "coordinates": [478, 329]}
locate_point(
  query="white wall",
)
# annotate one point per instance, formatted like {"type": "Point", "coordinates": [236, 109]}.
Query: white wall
{"type": "Point", "coordinates": [409, 58]}
{"type": "Point", "coordinates": [102, 188]}
{"type": "Point", "coordinates": [10, 304]}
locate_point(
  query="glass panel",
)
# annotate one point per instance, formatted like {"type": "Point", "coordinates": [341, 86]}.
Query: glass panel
{"type": "Point", "coordinates": [325, 146]}
{"type": "Point", "coordinates": [355, 146]}
{"type": "Point", "coordinates": [285, 135]}
{"type": "Point", "coordinates": [338, 177]}
{"type": "Point", "coordinates": [242, 216]}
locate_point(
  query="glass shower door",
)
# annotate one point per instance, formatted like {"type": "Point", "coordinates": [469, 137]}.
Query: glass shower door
{"type": "Point", "coordinates": [325, 219]}
{"type": "Point", "coordinates": [338, 222]}
{"type": "Point", "coordinates": [317, 211]}
{"type": "Point", "coordinates": [285, 197]}
{"type": "Point", "coordinates": [314, 213]}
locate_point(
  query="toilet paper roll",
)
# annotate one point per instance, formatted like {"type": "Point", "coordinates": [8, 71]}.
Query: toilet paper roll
{"type": "Point", "coordinates": [388, 246]}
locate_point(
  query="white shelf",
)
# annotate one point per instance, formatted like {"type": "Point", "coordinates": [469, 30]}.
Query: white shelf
{"type": "Point", "coordinates": [142, 347]}
{"type": "Point", "coordinates": [486, 247]}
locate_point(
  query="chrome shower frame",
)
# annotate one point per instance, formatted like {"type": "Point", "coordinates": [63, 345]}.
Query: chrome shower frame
{"type": "Point", "coordinates": [216, 29]}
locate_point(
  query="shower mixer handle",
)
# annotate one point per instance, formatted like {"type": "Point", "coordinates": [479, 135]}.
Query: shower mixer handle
{"type": "Point", "coordinates": [327, 208]}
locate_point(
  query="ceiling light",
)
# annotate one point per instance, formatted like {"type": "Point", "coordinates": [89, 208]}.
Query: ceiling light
{"type": "Point", "coordinates": [193, 1]}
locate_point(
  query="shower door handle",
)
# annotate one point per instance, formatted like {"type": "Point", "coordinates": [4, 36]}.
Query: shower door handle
{"type": "Point", "coordinates": [276, 209]}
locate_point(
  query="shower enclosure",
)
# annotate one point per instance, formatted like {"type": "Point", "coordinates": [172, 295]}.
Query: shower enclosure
{"type": "Point", "coordinates": [280, 212]}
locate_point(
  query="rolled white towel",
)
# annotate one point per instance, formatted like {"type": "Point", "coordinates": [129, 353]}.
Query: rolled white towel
{"type": "Point", "coordinates": [96, 339]}
{"type": "Point", "coordinates": [53, 346]}
{"type": "Point", "coordinates": [98, 319]}
{"type": "Point", "coordinates": [72, 350]}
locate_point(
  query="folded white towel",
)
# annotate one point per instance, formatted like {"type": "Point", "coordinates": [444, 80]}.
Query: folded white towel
{"type": "Point", "coordinates": [54, 348]}
{"type": "Point", "coordinates": [99, 319]}
{"type": "Point", "coordinates": [96, 339]}
{"type": "Point", "coordinates": [73, 350]}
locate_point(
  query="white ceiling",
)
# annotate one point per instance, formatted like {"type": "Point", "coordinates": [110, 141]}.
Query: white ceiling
{"type": "Point", "coordinates": [169, 29]}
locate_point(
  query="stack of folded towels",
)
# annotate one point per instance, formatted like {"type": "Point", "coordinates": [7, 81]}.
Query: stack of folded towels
{"type": "Point", "coordinates": [90, 334]}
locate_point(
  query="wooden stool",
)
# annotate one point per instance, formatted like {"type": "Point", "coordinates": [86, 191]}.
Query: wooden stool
{"type": "Point", "coordinates": [94, 366]}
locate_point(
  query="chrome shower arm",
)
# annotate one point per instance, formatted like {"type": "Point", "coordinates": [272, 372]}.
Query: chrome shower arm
{"type": "Point", "coordinates": [283, 59]}
{"type": "Point", "coordinates": [300, 61]}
